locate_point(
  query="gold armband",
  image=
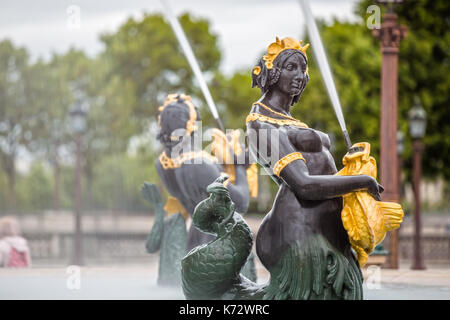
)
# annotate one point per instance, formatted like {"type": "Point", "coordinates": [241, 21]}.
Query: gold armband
{"type": "Point", "coordinates": [283, 162]}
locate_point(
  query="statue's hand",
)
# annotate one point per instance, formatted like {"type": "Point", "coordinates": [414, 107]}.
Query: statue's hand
{"type": "Point", "coordinates": [381, 188]}
{"type": "Point", "coordinates": [355, 149]}
{"type": "Point", "coordinates": [152, 195]}
{"type": "Point", "coordinates": [374, 188]}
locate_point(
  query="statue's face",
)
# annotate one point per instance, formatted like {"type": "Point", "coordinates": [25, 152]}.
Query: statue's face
{"type": "Point", "coordinates": [173, 126]}
{"type": "Point", "coordinates": [292, 75]}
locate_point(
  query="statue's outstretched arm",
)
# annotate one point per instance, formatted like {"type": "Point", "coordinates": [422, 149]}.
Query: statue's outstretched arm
{"type": "Point", "coordinates": [152, 195]}
{"type": "Point", "coordinates": [296, 175]}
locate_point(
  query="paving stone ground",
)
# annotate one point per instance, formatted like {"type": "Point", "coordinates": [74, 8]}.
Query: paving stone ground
{"type": "Point", "coordinates": [138, 282]}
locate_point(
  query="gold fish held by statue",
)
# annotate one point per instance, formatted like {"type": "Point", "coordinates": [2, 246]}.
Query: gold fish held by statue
{"type": "Point", "coordinates": [365, 219]}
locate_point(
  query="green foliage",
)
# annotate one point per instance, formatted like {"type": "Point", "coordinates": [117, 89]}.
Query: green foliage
{"type": "Point", "coordinates": [234, 96]}
{"type": "Point", "coordinates": [116, 186]}
{"type": "Point", "coordinates": [67, 187]}
{"type": "Point", "coordinates": [35, 190]}
{"type": "Point", "coordinates": [15, 109]}
{"type": "Point", "coordinates": [147, 54]}
{"type": "Point", "coordinates": [118, 183]}
{"type": "Point", "coordinates": [109, 99]}
{"type": "Point", "coordinates": [3, 191]}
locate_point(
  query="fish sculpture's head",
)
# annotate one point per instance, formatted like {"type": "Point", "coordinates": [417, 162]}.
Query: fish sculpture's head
{"type": "Point", "coordinates": [217, 210]}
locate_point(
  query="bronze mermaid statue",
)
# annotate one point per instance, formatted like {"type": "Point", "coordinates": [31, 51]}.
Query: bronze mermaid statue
{"type": "Point", "coordinates": [185, 171]}
{"type": "Point", "coordinates": [303, 241]}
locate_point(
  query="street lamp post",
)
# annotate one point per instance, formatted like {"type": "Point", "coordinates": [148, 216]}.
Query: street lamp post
{"type": "Point", "coordinates": [417, 127]}
{"type": "Point", "coordinates": [78, 126]}
{"type": "Point", "coordinates": [400, 151]}
{"type": "Point", "coordinates": [390, 35]}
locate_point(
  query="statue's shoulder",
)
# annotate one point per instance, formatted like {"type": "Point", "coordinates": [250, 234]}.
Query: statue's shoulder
{"type": "Point", "coordinates": [258, 121]}
{"type": "Point", "coordinates": [158, 164]}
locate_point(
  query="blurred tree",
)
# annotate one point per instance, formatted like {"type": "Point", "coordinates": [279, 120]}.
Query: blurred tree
{"type": "Point", "coordinates": [147, 54]}
{"type": "Point", "coordinates": [67, 181]}
{"type": "Point", "coordinates": [235, 96]}
{"type": "Point", "coordinates": [109, 100]}
{"type": "Point", "coordinates": [119, 178]}
{"type": "Point", "coordinates": [34, 189]}
{"type": "Point", "coordinates": [15, 110]}
{"type": "Point", "coordinates": [51, 100]}
{"type": "Point", "coordinates": [109, 121]}
{"type": "Point", "coordinates": [3, 191]}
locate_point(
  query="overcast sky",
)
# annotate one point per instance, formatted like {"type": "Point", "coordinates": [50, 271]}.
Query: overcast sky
{"type": "Point", "coordinates": [243, 26]}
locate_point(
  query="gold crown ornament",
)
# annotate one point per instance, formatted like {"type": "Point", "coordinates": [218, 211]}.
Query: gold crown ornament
{"type": "Point", "coordinates": [275, 48]}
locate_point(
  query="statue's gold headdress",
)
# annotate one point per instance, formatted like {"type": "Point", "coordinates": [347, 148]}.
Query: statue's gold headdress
{"type": "Point", "coordinates": [275, 48]}
{"type": "Point", "coordinates": [173, 98]}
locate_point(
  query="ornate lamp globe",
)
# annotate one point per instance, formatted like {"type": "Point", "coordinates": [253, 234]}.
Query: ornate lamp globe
{"type": "Point", "coordinates": [78, 118]}
{"type": "Point", "coordinates": [417, 120]}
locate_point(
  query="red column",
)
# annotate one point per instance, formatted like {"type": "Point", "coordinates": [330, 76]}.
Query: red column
{"type": "Point", "coordinates": [390, 35]}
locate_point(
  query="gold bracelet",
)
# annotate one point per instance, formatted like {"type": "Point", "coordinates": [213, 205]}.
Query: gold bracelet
{"type": "Point", "coordinates": [283, 162]}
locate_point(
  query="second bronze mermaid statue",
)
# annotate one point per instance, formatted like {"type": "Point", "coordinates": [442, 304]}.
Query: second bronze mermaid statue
{"type": "Point", "coordinates": [185, 171]}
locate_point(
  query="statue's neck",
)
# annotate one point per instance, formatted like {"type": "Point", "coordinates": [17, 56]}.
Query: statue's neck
{"type": "Point", "coordinates": [278, 101]}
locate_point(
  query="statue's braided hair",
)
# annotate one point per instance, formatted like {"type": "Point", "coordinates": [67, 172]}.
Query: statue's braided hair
{"type": "Point", "coordinates": [181, 112]}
